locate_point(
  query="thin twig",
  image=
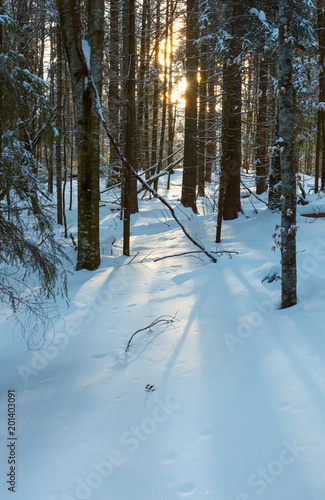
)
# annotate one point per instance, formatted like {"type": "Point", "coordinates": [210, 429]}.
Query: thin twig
{"type": "Point", "coordinates": [192, 252]}
{"type": "Point", "coordinates": [161, 319]}
{"type": "Point", "coordinates": [134, 256]}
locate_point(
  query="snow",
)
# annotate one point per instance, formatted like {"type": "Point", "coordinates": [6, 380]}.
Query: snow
{"type": "Point", "coordinates": [86, 51]}
{"type": "Point", "coordinates": [237, 406]}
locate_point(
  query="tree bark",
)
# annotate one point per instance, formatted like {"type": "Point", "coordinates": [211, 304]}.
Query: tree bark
{"type": "Point", "coordinates": [59, 109]}
{"type": "Point", "coordinates": [113, 87]}
{"type": "Point", "coordinates": [87, 120]}
{"type": "Point", "coordinates": [232, 155]}
{"type": "Point", "coordinates": [261, 161]}
{"type": "Point", "coordinates": [287, 159]}
{"type": "Point", "coordinates": [274, 200]}
{"type": "Point", "coordinates": [188, 197]}
{"type": "Point", "coordinates": [232, 88]}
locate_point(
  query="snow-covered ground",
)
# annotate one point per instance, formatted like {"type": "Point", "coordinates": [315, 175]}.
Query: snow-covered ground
{"type": "Point", "coordinates": [236, 410]}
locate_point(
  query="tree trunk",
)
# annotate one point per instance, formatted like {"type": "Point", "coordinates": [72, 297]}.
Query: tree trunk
{"type": "Point", "coordinates": [155, 103]}
{"type": "Point", "coordinates": [232, 155]}
{"type": "Point", "coordinates": [129, 181]}
{"type": "Point", "coordinates": [188, 197]}
{"type": "Point", "coordinates": [288, 177]}
{"type": "Point", "coordinates": [87, 120]}
{"type": "Point", "coordinates": [113, 87]}
{"type": "Point", "coordinates": [261, 154]}
{"type": "Point", "coordinates": [321, 48]}
{"type": "Point", "coordinates": [59, 109]}
{"type": "Point", "coordinates": [201, 159]}
{"type": "Point", "coordinates": [274, 200]}
{"type": "Point", "coordinates": [164, 104]}
{"type": "Point", "coordinates": [232, 87]}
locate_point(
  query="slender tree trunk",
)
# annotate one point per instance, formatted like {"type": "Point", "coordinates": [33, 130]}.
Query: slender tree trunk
{"type": "Point", "coordinates": [1, 91]}
{"type": "Point", "coordinates": [188, 197]}
{"type": "Point", "coordinates": [224, 152]}
{"type": "Point", "coordinates": [288, 174]}
{"type": "Point", "coordinates": [274, 200]}
{"type": "Point", "coordinates": [211, 121]}
{"type": "Point", "coordinates": [155, 103]}
{"type": "Point", "coordinates": [59, 109]}
{"type": "Point", "coordinates": [113, 87]}
{"type": "Point", "coordinates": [129, 203]}
{"type": "Point", "coordinates": [171, 121]}
{"type": "Point", "coordinates": [87, 120]}
{"type": "Point", "coordinates": [318, 149]}
{"type": "Point", "coordinates": [142, 87]}
{"type": "Point", "coordinates": [321, 112]}
{"type": "Point", "coordinates": [201, 159]}
{"type": "Point", "coordinates": [261, 153]}
{"type": "Point", "coordinates": [232, 87]}
{"type": "Point", "coordinates": [232, 158]}
{"type": "Point", "coordinates": [164, 104]}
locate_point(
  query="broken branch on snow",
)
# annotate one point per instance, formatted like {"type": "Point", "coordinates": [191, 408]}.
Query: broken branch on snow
{"type": "Point", "coordinates": [161, 319]}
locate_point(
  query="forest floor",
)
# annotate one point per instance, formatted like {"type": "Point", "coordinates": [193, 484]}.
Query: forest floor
{"type": "Point", "coordinates": [226, 402]}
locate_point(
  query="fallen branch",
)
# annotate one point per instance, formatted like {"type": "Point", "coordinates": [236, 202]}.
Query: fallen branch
{"type": "Point", "coordinates": [251, 192]}
{"type": "Point", "coordinates": [192, 252]}
{"type": "Point", "coordinates": [161, 319]}
{"type": "Point", "coordinates": [139, 178]}
{"type": "Point", "coordinates": [161, 174]}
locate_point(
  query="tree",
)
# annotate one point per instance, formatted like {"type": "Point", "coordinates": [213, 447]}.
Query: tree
{"type": "Point", "coordinates": [287, 158]}
{"type": "Point", "coordinates": [84, 52]}
{"type": "Point", "coordinates": [30, 256]}
{"type": "Point", "coordinates": [188, 198]}
{"type": "Point", "coordinates": [129, 204]}
{"type": "Point", "coordinates": [261, 136]}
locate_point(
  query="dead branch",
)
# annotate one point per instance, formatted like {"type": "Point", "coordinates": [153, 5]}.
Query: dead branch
{"type": "Point", "coordinates": [160, 174]}
{"type": "Point", "coordinates": [251, 192]}
{"type": "Point", "coordinates": [136, 175]}
{"type": "Point", "coordinates": [161, 319]}
{"type": "Point", "coordinates": [192, 252]}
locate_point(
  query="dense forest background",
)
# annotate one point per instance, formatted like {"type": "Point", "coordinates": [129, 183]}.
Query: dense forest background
{"type": "Point", "coordinates": [125, 92]}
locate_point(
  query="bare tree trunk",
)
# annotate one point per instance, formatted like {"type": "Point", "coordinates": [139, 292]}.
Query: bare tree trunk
{"type": "Point", "coordinates": [171, 121]}
{"type": "Point", "coordinates": [288, 177]}
{"type": "Point", "coordinates": [211, 121]}
{"type": "Point", "coordinates": [232, 87]}
{"type": "Point", "coordinates": [129, 184]}
{"type": "Point", "coordinates": [113, 87]}
{"type": "Point", "coordinates": [321, 111]}
{"type": "Point", "coordinates": [232, 156]}
{"type": "Point", "coordinates": [87, 120]}
{"type": "Point", "coordinates": [261, 154]}
{"type": "Point", "coordinates": [59, 109]}
{"type": "Point", "coordinates": [142, 87]}
{"type": "Point", "coordinates": [201, 159]}
{"type": "Point", "coordinates": [188, 197]}
{"type": "Point", "coordinates": [164, 104]}
{"type": "Point", "coordinates": [274, 200]}
{"type": "Point", "coordinates": [155, 103]}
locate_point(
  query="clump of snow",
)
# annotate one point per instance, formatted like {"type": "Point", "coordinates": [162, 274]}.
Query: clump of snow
{"type": "Point", "coordinates": [86, 50]}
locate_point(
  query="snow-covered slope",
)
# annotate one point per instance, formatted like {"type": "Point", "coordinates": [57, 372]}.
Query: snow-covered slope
{"type": "Point", "coordinates": [236, 410]}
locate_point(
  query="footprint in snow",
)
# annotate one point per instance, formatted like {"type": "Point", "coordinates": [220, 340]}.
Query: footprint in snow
{"type": "Point", "coordinates": [186, 489]}
{"type": "Point", "coordinates": [98, 356]}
